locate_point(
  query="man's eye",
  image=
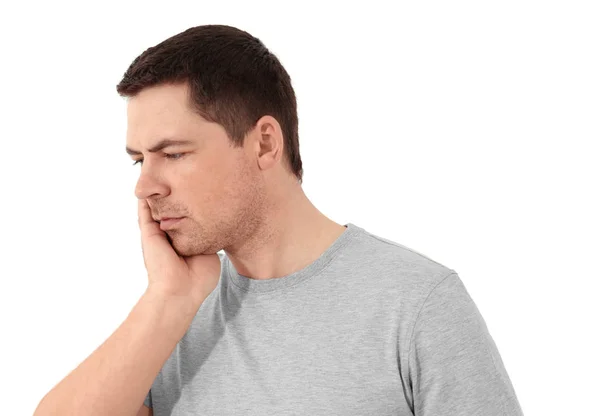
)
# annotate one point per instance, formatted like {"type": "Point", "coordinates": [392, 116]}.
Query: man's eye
{"type": "Point", "coordinates": [173, 156]}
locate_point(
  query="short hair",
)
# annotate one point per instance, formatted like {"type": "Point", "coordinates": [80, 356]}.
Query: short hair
{"type": "Point", "coordinates": [234, 80]}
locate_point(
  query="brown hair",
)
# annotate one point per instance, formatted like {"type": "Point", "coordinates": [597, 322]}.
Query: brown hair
{"type": "Point", "coordinates": [234, 80]}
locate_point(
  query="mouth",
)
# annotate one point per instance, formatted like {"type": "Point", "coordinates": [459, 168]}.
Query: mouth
{"type": "Point", "coordinates": [168, 223]}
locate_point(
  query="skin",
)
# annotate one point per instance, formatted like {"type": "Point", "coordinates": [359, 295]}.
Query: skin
{"type": "Point", "coordinates": [241, 200]}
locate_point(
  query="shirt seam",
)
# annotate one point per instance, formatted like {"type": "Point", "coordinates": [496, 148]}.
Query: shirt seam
{"type": "Point", "coordinates": [487, 347]}
{"type": "Point", "coordinates": [414, 325]}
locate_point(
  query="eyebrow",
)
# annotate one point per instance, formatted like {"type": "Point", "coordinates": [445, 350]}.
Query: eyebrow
{"type": "Point", "coordinates": [159, 146]}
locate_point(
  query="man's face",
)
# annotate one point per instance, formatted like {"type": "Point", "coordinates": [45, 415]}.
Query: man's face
{"type": "Point", "coordinates": [216, 187]}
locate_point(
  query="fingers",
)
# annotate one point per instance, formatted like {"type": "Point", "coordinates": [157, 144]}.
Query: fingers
{"type": "Point", "coordinates": [155, 246]}
{"type": "Point", "coordinates": [148, 226]}
{"type": "Point", "coordinates": [145, 220]}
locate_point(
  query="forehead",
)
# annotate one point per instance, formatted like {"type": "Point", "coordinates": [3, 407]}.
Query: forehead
{"type": "Point", "coordinates": [162, 111]}
{"type": "Point", "coordinates": [157, 105]}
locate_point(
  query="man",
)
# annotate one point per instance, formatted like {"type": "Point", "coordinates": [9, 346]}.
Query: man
{"type": "Point", "coordinates": [257, 303]}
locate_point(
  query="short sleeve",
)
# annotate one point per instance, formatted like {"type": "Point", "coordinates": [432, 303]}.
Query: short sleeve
{"type": "Point", "coordinates": [454, 366]}
{"type": "Point", "coordinates": [148, 399]}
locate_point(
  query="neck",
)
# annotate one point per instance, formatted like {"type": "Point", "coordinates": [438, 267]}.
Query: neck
{"type": "Point", "coordinates": [294, 234]}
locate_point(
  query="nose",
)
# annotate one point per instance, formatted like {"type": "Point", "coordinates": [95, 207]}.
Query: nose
{"type": "Point", "coordinates": [149, 185]}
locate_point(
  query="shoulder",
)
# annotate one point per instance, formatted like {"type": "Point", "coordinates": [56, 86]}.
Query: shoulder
{"type": "Point", "coordinates": [402, 263]}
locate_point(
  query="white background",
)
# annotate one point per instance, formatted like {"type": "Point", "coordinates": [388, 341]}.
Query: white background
{"type": "Point", "coordinates": [466, 130]}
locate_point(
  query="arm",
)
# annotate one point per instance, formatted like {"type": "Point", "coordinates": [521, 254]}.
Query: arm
{"type": "Point", "coordinates": [454, 365]}
{"type": "Point", "coordinates": [116, 377]}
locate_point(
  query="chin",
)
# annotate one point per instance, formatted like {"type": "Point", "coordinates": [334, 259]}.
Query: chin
{"type": "Point", "coordinates": [184, 247]}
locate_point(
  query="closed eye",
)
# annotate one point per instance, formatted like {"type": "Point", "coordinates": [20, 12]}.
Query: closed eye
{"type": "Point", "coordinates": [172, 156]}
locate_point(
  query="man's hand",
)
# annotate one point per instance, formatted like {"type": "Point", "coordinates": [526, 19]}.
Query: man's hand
{"type": "Point", "coordinates": [193, 277]}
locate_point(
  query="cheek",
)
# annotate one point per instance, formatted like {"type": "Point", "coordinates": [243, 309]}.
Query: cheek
{"type": "Point", "coordinates": [205, 189]}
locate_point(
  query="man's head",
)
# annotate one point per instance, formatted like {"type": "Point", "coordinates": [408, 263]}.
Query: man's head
{"type": "Point", "coordinates": [218, 90]}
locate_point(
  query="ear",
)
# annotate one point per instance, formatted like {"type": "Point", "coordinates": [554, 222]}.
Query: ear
{"type": "Point", "coordinates": [269, 142]}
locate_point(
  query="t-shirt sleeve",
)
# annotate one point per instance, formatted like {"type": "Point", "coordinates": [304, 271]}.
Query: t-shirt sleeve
{"type": "Point", "coordinates": [454, 366]}
{"type": "Point", "coordinates": [148, 399]}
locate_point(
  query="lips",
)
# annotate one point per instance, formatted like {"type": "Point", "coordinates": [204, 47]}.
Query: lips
{"type": "Point", "coordinates": [165, 217]}
{"type": "Point", "coordinates": [168, 223]}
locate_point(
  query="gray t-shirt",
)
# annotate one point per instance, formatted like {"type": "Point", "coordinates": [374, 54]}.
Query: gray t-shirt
{"type": "Point", "coordinates": [371, 327]}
